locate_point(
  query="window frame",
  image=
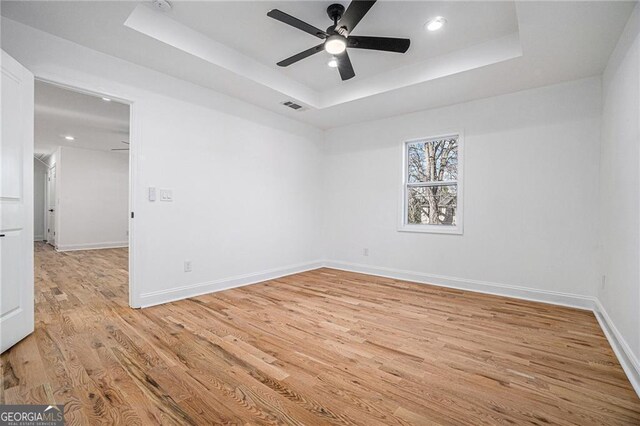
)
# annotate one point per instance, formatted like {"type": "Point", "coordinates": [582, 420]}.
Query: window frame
{"type": "Point", "coordinates": [403, 225]}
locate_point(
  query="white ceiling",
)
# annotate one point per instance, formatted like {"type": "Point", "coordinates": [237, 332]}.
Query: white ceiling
{"type": "Point", "coordinates": [486, 48]}
{"type": "Point", "coordinates": [94, 123]}
{"type": "Point", "coordinates": [268, 41]}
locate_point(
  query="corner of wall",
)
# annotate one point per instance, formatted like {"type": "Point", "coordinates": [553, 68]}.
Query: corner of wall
{"type": "Point", "coordinates": [618, 297]}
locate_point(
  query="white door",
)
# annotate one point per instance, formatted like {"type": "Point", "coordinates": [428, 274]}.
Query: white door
{"type": "Point", "coordinates": [16, 203]}
{"type": "Point", "coordinates": [51, 206]}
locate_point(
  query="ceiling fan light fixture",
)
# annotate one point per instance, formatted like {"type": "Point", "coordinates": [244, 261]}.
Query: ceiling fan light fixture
{"type": "Point", "coordinates": [339, 35]}
{"type": "Point", "coordinates": [435, 24]}
{"type": "Point", "coordinates": [335, 44]}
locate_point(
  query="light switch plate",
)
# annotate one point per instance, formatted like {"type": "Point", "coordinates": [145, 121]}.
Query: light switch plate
{"type": "Point", "coordinates": [166, 195]}
{"type": "Point", "coordinates": [152, 193]}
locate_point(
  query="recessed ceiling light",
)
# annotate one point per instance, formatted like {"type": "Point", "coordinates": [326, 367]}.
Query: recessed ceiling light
{"type": "Point", "coordinates": [333, 63]}
{"type": "Point", "coordinates": [106, 99]}
{"type": "Point", "coordinates": [335, 44]}
{"type": "Point", "coordinates": [70, 138]}
{"type": "Point", "coordinates": [435, 24]}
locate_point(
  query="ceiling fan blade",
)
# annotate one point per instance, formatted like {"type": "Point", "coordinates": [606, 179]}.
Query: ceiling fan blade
{"type": "Point", "coordinates": [296, 23]}
{"type": "Point", "coordinates": [344, 66]}
{"type": "Point", "coordinates": [354, 13]}
{"type": "Point", "coordinates": [297, 57]}
{"type": "Point", "coordinates": [387, 44]}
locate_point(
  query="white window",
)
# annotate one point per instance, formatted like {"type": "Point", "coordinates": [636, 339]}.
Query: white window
{"type": "Point", "coordinates": [432, 185]}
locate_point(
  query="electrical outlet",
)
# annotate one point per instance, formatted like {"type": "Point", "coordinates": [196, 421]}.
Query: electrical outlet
{"type": "Point", "coordinates": [187, 266]}
{"type": "Point", "coordinates": [365, 252]}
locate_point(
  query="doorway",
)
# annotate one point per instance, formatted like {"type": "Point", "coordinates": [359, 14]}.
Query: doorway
{"type": "Point", "coordinates": [83, 139]}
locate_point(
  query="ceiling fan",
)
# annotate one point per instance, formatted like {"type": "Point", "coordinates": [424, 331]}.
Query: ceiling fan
{"type": "Point", "coordinates": [121, 149]}
{"type": "Point", "coordinates": [337, 38]}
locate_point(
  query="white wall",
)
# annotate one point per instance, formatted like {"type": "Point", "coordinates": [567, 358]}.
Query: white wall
{"type": "Point", "coordinates": [92, 198]}
{"type": "Point", "coordinates": [245, 198]}
{"type": "Point", "coordinates": [620, 189]}
{"type": "Point", "coordinates": [39, 176]}
{"type": "Point", "coordinates": [530, 193]}
{"type": "Point", "coordinates": [245, 181]}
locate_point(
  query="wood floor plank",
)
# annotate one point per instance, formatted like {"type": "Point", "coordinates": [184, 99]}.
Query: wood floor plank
{"type": "Point", "coordinates": [321, 347]}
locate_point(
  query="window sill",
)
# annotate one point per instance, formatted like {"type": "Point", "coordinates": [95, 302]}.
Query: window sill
{"type": "Point", "coordinates": [432, 229]}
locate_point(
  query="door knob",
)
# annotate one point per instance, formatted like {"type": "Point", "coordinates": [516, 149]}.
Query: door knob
{"type": "Point", "coordinates": [51, 210]}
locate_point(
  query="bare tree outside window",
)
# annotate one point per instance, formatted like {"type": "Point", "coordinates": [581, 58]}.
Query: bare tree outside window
{"type": "Point", "coordinates": [432, 181]}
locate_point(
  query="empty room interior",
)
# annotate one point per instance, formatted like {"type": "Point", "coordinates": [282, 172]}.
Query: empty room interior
{"type": "Point", "coordinates": [320, 212]}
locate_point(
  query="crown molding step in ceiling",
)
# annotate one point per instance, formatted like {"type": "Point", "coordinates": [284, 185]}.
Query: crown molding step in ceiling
{"type": "Point", "coordinates": [160, 26]}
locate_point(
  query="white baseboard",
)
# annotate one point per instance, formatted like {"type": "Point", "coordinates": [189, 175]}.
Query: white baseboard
{"type": "Point", "coordinates": [38, 238]}
{"type": "Point", "coordinates": [623, 351]}
{"type": "Point", "coordinates": [92, 246]}
{"type": "Point", "coordinates": [498, 289]}
{"type": "Point", "coordinates": [192, 290]}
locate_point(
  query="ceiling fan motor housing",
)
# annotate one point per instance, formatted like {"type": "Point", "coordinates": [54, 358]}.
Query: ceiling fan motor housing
{"type": "Point", "coordinates": [335, 12]}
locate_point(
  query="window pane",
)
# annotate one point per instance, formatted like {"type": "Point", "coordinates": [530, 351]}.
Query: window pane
{"type": "Point", "coordinates": [432, 205]}
{"type": "Point", "coordinates": [435, 160]}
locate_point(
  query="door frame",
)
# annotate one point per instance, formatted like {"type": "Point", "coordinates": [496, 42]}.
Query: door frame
{"type": "Point", "coordinates": [89, 88]}
{"type": "Point", "coordinates": [47, 203]}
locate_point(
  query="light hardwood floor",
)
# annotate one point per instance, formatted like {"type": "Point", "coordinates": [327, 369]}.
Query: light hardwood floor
{"type": "Point", "coordinates": [322, 347]}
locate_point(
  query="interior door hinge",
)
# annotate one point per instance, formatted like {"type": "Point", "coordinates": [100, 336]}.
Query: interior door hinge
{"type": "Point", "coordinates": [131, 215]}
